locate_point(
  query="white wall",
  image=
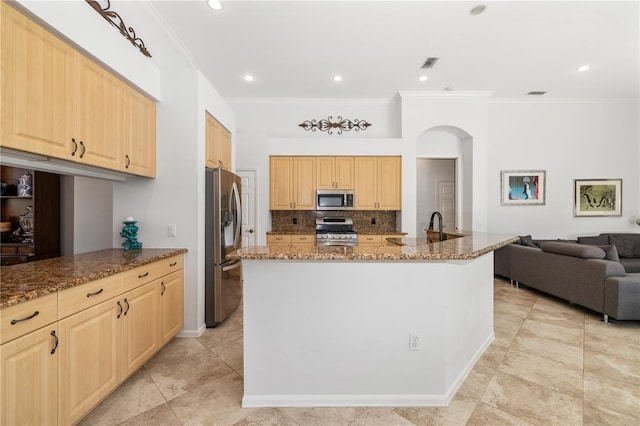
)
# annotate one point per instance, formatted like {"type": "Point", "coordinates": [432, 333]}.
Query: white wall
{"type": "Point", "coordinates": [570, 140]}
{"type": "Point", "coordinates": [428, 173]}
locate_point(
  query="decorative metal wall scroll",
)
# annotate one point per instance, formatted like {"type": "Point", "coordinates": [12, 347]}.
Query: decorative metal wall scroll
{"type": "Point", "coordinates": [329, 126]}
{"type": "Point", "coordinates": [114, 19]}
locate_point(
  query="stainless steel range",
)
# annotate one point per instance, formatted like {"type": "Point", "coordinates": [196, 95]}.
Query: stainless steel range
{"type": "Point", "coordinates": [335, 231]}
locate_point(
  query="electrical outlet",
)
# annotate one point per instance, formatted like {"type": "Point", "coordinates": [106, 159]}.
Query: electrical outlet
{"type": "Point", "coordinates": [295, 220]}
{"type": "Point", "coordinates": [171, 230]}
{"type": "Point", "coordinates": [373, 220]}
{"type": "Point", "coordinates": [414, 342]}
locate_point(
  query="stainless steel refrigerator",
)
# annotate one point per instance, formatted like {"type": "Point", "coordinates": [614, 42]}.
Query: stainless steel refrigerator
{"type": "Point", "coordinates": [223, 226]}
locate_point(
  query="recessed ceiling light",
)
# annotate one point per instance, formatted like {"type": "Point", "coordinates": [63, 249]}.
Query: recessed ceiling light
{"type": "Point", "coordinates": [215, 4]}
{"type": "Point", "coordinates": [583, 68]}
{"type": "Point", "coordinates": [248, 77]}
{"type": "Point", "coordinates": [337, 78]}
{"type": "Point", "coordinates": [478, 9]}
{"type": "Point", "coordinates": [423, 78]}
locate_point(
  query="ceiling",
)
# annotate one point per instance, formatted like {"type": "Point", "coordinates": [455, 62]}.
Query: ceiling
{"type": "Point", "coordinates": [293, 48]}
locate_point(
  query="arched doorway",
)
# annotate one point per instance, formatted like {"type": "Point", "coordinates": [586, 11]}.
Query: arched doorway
{"type": "Point", "coordinates": [444, 154]}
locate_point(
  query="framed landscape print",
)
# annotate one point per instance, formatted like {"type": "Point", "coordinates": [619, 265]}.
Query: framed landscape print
{"type": "Point", "coordinates": [522, 188]}
{"type": "Point", "coordinates": [598, 197]}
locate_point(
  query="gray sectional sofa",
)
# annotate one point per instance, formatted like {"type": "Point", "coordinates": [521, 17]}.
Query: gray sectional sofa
{"type": "Point", "coordinates": [601, 273]}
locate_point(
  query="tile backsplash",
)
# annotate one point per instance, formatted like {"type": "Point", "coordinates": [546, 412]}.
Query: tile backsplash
{"type": "Point", "coordinates": [283, 220]}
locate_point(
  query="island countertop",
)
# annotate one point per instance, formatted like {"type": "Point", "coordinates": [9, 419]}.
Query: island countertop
{"type": "Point", "coordinates": [26, 281]}
{"type": "Point", "coordinates": [469, 246]}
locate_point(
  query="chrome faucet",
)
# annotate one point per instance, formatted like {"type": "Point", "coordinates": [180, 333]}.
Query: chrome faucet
{"type": "Point", "coordinates": [439, 224]}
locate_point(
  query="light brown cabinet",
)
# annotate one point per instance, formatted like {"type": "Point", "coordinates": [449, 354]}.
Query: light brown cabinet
{"type": "Point", "coordinates": [56, 102]}
{"type": "Point", "coordinates": [292, 183]}
{"type": "Point", "coordinates": [29, 385]}
{"type": "Point", "coordinates": [217, 144]}
{"type": "Point", "coordinates": [378, 183]}
{"type": "Point", "coordinates": [293, 239]}
{"type": "Point", "coordinates": [105, 330]}
{"type": "Point", "coordinates": [334, 173]}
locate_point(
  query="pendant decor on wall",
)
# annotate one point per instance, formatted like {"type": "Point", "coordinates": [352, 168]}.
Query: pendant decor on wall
{"type": "Point", "coordinates": [114, 19]}
{"type": "Point", "coordinates": [329, 125]}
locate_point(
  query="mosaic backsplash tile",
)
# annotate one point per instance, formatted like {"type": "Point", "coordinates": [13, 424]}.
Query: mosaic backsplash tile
{"type": "Point", "coordinates": [283, 221]}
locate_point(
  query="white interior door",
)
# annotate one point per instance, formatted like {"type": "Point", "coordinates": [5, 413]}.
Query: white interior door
{"type": "Point", "coordinates": [248, 192]}
{"type": "Point", "coordinates": [447, 204]}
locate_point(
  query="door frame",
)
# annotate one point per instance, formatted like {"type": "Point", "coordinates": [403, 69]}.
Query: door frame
{"type": "Point", "coordinates": [256, 198]}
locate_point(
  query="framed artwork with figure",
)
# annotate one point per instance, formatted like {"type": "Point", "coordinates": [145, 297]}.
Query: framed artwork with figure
{"type": "Point", "coordinates": [522, 187]}
{"type": "Point", "coordinates": [597, 197]}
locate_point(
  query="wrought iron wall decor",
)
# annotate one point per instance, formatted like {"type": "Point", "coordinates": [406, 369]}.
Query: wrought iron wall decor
{"type": "Point", "coordinates": [340, 125]}
{"type": "Point", "coordinates": [114, 19]}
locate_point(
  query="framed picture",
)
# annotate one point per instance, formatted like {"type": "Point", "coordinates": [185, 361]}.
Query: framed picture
{"type": "Point", "coordinates": [522, 188]}
{"type": "Point", "coordinates": [597, 197]}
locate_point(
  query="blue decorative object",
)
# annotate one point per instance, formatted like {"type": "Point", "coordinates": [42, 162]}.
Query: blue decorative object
{"type": "Point", "coordinates": [129, 232]}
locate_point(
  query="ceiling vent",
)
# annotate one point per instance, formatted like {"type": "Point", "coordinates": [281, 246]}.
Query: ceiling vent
{"type": "Point", "coordinates": [536, 92]}
{"type": "Point", "coordinates": [429, 63]}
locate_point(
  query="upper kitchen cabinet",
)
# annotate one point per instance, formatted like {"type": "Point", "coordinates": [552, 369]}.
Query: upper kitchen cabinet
{"type": "Point", "coordinates": [37, 95]}
{"type": "Point", "coordinates": [139, 118]}
{"type": "Point", "coordinates": [378, 183]}
{"type": "Point", "coordinates": [292, 183]}
{"type": "Point", "coordinates": [217, 143]}
{"type": "Point", "coordinates": [334, 173]}
{"type": "Point", "coordinates": [56, 102]}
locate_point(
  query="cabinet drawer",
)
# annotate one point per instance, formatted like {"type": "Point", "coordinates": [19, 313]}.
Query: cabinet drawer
{"type": "Point", "coordinates": [303, 238]}
{"type": "Point", "coordinates": [25, 317]}
{"type": "Point", "coordinates": [151, 271]}
{"type": "Point", "coordinates": [84, 296]}
{"type": "Point", "coordinates": [278, 239]}
{"type": "Point", "coordinates": [369, 239]}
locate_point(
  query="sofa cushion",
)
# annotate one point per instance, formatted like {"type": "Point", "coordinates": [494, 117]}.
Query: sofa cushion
{"type": "Point", "coordinates": [526, 240]}
{"type": "Point", "coordinates": [625, 245]}
{"type": "Point", "coordinates": [599, 240]}
{"type": "Point", "coordinates": [583, 251]}
{"type": "Point", "coordinates": [610, 251]}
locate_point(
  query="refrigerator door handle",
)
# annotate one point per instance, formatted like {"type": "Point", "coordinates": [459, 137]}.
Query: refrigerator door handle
{"type": "Point", "coordinates": [234, 265]}
{"type": "Point", "coordinates": [236, 196]}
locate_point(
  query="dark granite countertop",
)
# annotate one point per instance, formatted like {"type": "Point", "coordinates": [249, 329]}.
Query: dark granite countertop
{"type": "Point", "coordinates": [26, 281]}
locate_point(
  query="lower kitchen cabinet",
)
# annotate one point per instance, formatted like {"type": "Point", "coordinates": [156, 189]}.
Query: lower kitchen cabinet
{"type": "Point", "coordinates": [89, 352]}
{"type": "Point", "coordinates": [171, 306]}
{"type": "Point", "coordinates": [58, 373]}
{"type": "Point", "coordinates": [29, 379]}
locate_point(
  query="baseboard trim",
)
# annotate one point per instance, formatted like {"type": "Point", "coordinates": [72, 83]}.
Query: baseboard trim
{"type": "Point", "coordinates": [251, 401]}
{"type": "Point", "coordinates": [192, 333]}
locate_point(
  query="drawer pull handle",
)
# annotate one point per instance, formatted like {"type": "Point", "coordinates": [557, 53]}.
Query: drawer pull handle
{"type": "Point", "coordinates": [53, 351]}
{"type": "Point", "coordinates": [143, 275]}
{"type": "Point", "coordinates": [163, 288]}
{"type": "Point", "coordinates": [35, 314]}
{"type": "Point", "coordinates": [127, 302]}
{"type": "Point", "coordinates": [96, 293]}
{"type": "Point", "coordinates": [173, 264]}
{"type": "Point", "coordinates": [120, 306]}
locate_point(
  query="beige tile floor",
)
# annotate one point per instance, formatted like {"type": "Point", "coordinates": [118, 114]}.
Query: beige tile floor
{"type": "Point", "coordinates": [551, 364]}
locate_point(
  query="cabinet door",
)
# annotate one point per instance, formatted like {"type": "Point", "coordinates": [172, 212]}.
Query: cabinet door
{"type": "Point", "coordinates": [389, 183]}
{"type": "Point", "coordinates": [365, 183]}
{"type": "Point", "coordinates": [29, 385]}
{"type": "Point", "coordinates": [88, 363]}
{"type": "Point", "coordinates": [217, 144]}
{"type": "Point", "coordinates": [37, 94]}
{"type": "Point", "coordinates": [140, 321]}
{"type": "Point", "coordinates": [344, 173]}
{"type": "Point", "coordinates": [224, 148]}
{"type": "Point", "coordinates": [139, 133]}
{"type": "Point", "coordinates": [171, 312]}
{"type": "Point", "coordinates": [304, 183]}
{"type": "Point", "coordinates": [99, 130]}
{"type": "Point", "coordinates": [280, 183]}
{"type": "Point", "coordinates": [325, 172]}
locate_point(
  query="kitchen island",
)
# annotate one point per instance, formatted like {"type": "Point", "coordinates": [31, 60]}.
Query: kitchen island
{"type": "Point", "coordinates": [368, 325]}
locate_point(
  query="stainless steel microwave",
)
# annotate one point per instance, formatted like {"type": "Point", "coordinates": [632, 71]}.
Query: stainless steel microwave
{"type": "Point", "coordinates": [334, 199]}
